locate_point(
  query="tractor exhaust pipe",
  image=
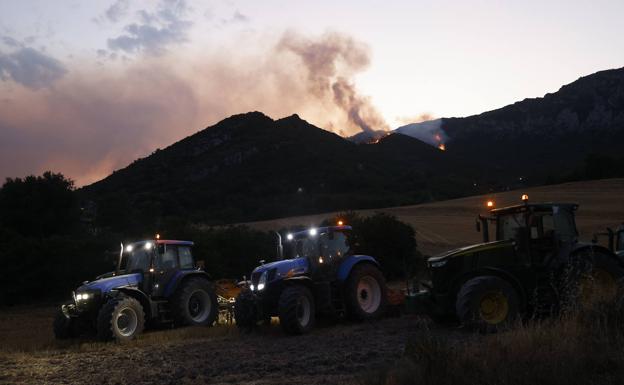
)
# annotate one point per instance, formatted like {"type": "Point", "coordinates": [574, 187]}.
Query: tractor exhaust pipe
{"type": "Point", "coordinates": [280, 248]}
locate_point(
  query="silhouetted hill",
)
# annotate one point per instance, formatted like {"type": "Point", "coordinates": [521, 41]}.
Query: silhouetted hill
{"type": "Point", "coordinates": [250, 167]}
{"type": "Point", "coordinates": [580, 126]}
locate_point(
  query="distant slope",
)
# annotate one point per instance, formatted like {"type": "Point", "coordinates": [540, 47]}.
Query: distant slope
{"type": "Point", "coordinates": [445, 225]}
{"type": "Point", "coordinates": [543, 139]}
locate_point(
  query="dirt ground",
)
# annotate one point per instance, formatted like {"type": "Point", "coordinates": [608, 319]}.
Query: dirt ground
{"type": "Point", "coordinates": [333, 353]}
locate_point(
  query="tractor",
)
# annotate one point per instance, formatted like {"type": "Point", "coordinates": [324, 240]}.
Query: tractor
{"type": "Point", "coordinates": [534, 267]}
{"type": "Point", "coordinates": [316, 273]}
{"type": "Point", "coordinates": [155, 282]}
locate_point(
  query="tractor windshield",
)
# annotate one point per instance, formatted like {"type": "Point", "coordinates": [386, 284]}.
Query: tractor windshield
{"type": "Point", "coordinates": [509, 226]}
{"type": "Point", "coordinates": [331, 244]}
{"type": "Point", "coordinates": [136, 257]}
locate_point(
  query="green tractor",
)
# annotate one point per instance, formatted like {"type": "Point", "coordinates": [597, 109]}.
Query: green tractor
{"type": "Point", "coordinates": [534, 266]}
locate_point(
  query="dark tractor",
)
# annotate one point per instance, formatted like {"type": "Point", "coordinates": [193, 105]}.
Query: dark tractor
{"type": "Point", "coordinates": [534, 267]}
{"type": "Point", "coordinates": [155, 282]}
{"type": "Point", "coordinates": [320, 275]}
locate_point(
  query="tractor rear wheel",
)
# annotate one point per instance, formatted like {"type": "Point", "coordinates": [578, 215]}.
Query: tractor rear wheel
{"type": "Point", "coordinates": [121, 318]}
{"type": "Point", "coordinates": [195, 303]}
{"type": "Point", "coordinates": [594, 277]}
{"type": "Point", "coordinates": [63, 326]}
{"type": "Point", "coordinates": [487, 303]}
{"type": "Point", "coordinates": [366, 293]}
{"type": "Point", "coordinates": [296, 309]}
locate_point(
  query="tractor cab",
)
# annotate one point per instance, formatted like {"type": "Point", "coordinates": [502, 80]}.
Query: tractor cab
{"type": "Point", "coordinates": [324, 248]}
{"type": "Point", "coordinates": [156, 262]}
{"type": "Point", "coordinates": [540, 231]}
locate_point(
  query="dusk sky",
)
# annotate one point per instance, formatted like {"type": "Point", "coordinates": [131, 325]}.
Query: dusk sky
{"type": "Point", "coordinates": [88, 86]}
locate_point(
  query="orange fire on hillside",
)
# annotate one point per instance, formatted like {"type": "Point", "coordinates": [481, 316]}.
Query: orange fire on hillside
{"type": "Point", "coordinates": [441, 144]}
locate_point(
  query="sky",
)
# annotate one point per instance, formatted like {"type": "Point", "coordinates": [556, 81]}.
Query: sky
{"type": "Point", "coordinates": [86, 87]}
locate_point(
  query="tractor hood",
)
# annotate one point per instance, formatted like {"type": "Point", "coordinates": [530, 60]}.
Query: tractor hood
{"type": "Point", "coordinates": [479, 247]}
{"type": "Point", "coordinates": [107, 284]}
{"type": "Point", "coordinates": [297, 265]}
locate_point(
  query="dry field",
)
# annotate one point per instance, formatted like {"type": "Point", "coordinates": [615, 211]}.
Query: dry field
{"type": "Point", "coordinates": [445, 225]}
{"type": "Point", "coordinates": [333, 353]}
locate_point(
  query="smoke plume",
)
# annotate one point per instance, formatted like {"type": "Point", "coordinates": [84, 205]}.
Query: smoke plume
{"type": "Point", "coordinates": [96, 119]}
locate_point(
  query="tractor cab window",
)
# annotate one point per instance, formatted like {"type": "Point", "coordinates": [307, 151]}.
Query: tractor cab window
{"type": "Point", "coordinates": [564, 223]}
{"type": "Point", "coordinates": [186, 258]}
{"type": "Point", "coordinates": [619, 240]}
{"type": "Point", "coordinates": [510, 226]}
{"type": "Point", "coordinates": [167, 257]}
{"type": "Point", "coordinates": [136, 260]}
{"type": "Point", "coordinates": [333, 245]}
{"type": "Point", "coordinates": [306, 247]}
{"type": "Point", "coordinates": [542, 225]}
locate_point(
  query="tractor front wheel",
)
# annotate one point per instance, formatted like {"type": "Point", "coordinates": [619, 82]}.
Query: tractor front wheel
{"type": "Point", "coordinates": [366, 293]}
{"type": "Point", "coordinates": [487, 303]}
{"type": "Point", "coordinates": [296, 309]}
{"type": "Point", "coordinates": [121, 319]}
{"type": "Point", "coordinates": [245, 313]}
{"type": "Point", "coordinates": [195, 303]}
{"type": "Point", "coordinates": [63, 326]}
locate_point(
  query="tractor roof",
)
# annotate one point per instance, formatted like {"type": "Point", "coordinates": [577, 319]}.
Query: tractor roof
{"type": "Point", "coordinates": [545, 206]}
{"type": "Point", "coordinates": [167, 242]}
{"type": "Point", "coordinates": [321, 230]}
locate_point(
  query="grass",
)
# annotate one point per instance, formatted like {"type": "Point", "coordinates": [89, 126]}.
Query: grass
{"type": "Point", "coordinates": [580, 348]}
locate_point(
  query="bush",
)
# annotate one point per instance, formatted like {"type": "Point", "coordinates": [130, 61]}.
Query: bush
{"type": "Point", "coordinates": [386, 238]}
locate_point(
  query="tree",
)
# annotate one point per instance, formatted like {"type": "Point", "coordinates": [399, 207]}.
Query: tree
{"type": "Point", "coordinates": [39, 206]}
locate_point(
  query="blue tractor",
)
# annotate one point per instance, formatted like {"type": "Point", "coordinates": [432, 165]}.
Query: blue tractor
{"type": "Point", "coordinates": [317, 274]}
{"type": "Point", "coordinates": [156, 281]}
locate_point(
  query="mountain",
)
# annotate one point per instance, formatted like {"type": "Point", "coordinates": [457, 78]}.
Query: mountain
{"type": "Point", "coordinates": [250, 167]}
{"type": "Point", "coordinates": [542, 138]}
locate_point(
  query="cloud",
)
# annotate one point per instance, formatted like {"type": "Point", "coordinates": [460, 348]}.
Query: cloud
{"type": "Point", "coordinates": [30, 68]}
{"type": "Point", "coordinates": [157, 30]}
{"type": "Point", "coordinates": [117, 10]}
{"type": "Point", "coordinates": [96, 120]}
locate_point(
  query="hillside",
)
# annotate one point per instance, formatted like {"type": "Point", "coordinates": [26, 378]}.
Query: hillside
{"type": "Point", "coordinates": [544, 139]}
{"type": "Point", "coordinates": [250, 166]}
{"type": "Point", "coordinates": [445, 225]}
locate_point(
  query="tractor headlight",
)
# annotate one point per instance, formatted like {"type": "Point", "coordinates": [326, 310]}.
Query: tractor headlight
{"type": "Point", "coordinates": [439, 263]}
{"type": "Point", "coordinates": [83, 296]}
{"type": "Point", "coordinates": [263, 279]}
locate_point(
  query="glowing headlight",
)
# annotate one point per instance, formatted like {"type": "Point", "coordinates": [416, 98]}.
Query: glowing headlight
{"type": "Point", "coordinates": [262, 280]}
{"type": "Point", "coordinates": [129, 248]}
{"type": "Point", "coordinates": [148, 245]}
{"type": "Point", "coordinates": [289, 237]}
{"type": "Point", "coordinates": [252, 287]}
{"type": "Point", "coordinates": [83, 296]}
{"type": "Point", "coordinates": [313, 232]}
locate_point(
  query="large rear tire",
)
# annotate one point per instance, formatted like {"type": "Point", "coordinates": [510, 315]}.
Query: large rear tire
{"type": "Point", "coordinates": [121, 319]}
{"type": "Point", "coordinates": [487, 303]}
{"type": "Point", "coordinates": [591, 277]}
{"type": "Point", "coordinates": [366, 293]}
{"type": "Point", "coordinates": [297, 312]}
{"type": "Point", "coordinates": [63, 326]}
{"type": "Point", "coordinates": [195, 303]}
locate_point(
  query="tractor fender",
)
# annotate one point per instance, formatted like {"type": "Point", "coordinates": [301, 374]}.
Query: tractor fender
{"type": "Point", "coordinates": [347, 265]}
{"type": "Point", "coordinates": [139, 296]}
{"type": "Point", "coordinates": [513, 281]}
{"type": "Point", "coordinates": [180, 277]}
{"type": "Point", "coordinates": [597, 249]}
{"type": "Point", "coordinates": [302, 280]}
